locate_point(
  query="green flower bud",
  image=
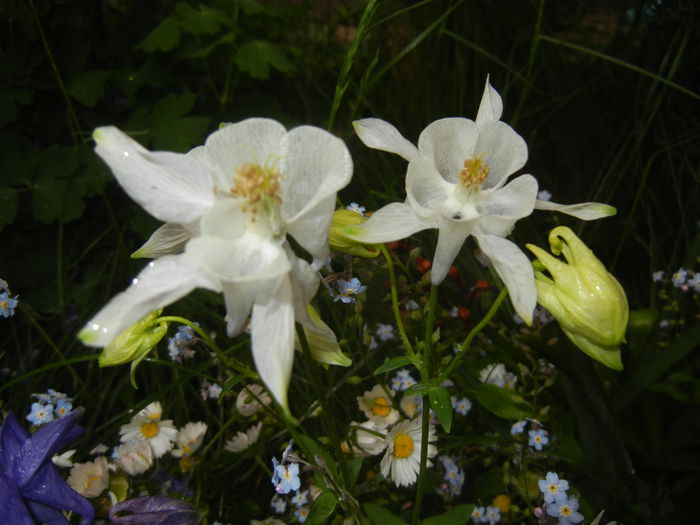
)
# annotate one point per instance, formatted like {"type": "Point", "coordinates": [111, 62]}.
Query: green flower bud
{"type": "Point", "coordinates": [588, 302]}
{"type": "Point", "coordinates": [135, 342]}
{"type": "Point", "coordinates": [338, 239]}
{"type": "Point", "coordinates": [323, 344]}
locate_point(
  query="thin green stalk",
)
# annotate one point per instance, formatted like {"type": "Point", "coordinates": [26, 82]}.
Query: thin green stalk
{"type": "Point", "coordinates": [395, 306]}
{"type": "Point", "coordinates": [456, 360]}
{"type": "Point", "coordinates": [231, 363]}
{"type": "Point", "coordinates": [425, 421]}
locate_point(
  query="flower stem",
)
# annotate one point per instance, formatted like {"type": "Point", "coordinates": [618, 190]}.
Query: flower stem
{"type": "Point", "coordinates": [456, 360]}
{"type": "Point", "coordinates": [395, 306]}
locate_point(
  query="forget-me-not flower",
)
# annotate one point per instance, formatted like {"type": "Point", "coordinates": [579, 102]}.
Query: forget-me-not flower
{"type": "Point", "coordinates": [566, 510]}
{"type": "Point", "coordinates": [41, 413]}
{"type": "Point", "coordinates": [538, 438]}
{"type": "Point", "coordinates": [347, 289]}
{"type": "Point", "coordinates": [553, 488]}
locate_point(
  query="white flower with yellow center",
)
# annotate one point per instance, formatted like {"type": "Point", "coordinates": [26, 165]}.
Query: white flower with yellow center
{"type": "Point", "coordinates": [189, 438]}
{"type": "Point", "coordinates": [403, 446]}
{"type": "Point", "coordinates": [250, 398]}
{"type": "Point", "coordinates": [243, 440]}
{"type": "Point", "coordinates": [366, 439]}
{"type": "Point", "coordinates": [90, 479]}
{"type": "Point", "coordinates": [456, 182]}
{"type": "Point", "coordinates": [134, 457]}
{"type": "Point", "coordinates": [228, 207]}
{"type": "Point", "coordinates": [377, 405]}
{"type": "Point", "coordinates": [147, 426]}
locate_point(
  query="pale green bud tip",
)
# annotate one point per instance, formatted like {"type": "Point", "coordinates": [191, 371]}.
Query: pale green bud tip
{"type": "Point", "coordinates": [98, 135]}
{"type": "Point", "coordinates": [343, 235]}
{"type": "Point", "coordinates": [134, 342]}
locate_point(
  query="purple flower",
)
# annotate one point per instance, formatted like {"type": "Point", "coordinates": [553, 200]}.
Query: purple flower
{"type": "Point", "coordinates": [154, 510]}
{"type": "Point", "coordinates": [31, 489]}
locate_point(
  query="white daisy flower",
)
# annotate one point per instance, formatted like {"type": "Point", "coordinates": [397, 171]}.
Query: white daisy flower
{"type": "Point", "coordinates": [90, 479]}
{"type": "Point", "coordinates": [367, 439]}
{"type": "Point", "coordinates": [243, 440]}
{"type": "Point", "coordinates": [134, 457]}
{"type": "Point", "coordinates": [146, 425]}
{"type": "Point", "coordinates": [189, 438]}
{"type": "Point", "coordinates": [247, 401]}
{"type": "Point", "coordinates": [377, 405]}
{"type": "Point", "coordinates": [402, 459]}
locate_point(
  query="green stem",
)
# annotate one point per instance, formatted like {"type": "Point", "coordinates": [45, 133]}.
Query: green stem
{"type": "Point", "coordinates": [472, 334]}
{"type": "Point", "coordinates": [395, 306]}
{"type": "Point", "coordinates": [226, 360]}
{"type": "Point", "coordinates": [425, 421]}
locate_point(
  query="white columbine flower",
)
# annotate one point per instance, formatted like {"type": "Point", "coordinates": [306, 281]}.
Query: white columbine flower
{"type": "Point", "coordinates": [228, 207]}
{"type": "Point", "coordinates": [403, 445]}
{"type": "Point", "coordinates": [147, 426]}
{"type": "Point", "coordinates": [456, 182]}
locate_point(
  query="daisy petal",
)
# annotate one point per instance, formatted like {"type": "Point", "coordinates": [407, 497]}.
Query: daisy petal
{"type": "Point", "coordinates": [515, 269]}
{"type": "Point", "coordinates": [379, 134]}
{"type": "Point", "coordinates": [170, 186]}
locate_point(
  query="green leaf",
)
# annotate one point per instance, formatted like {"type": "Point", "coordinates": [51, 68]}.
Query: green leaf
{"type": "Point", "coordinates": [8, 206]}
{"type": "Point", "coordinates": [171, 129]}
{"type": "Point", "coordinates": [256, 58]}
{"type": "Point", "coordinates": [355, 466]}
{"type": "Point", "coordinates": [88, 87]}
{"type": "Point", "coordinates": [393, 364]}
{"type": "Point", "coordinates": [322, 508]}
{"type": "Point", "coordinates": [459, 515]}
{"type": "Point", "coordinates": [163, 38]}
{"type": "Point", "coordinates": [202, 21]}
{"type": "Point", "coordinates": [380, 516]}
{"type": "Point", "coordinates": [58, 191]}
{"type": "Point", "coordinates": [10, 100]}
{"type": "Point", "coordinates": [418, 389]}
{"type": "Point", "coordinates": [503, 402]}
{"type": "Point", "coordinates": [441, 404]}
{"type": "Point", "coordinates": [320, 454]}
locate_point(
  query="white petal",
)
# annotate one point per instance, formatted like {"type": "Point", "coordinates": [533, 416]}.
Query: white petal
{"type": "Point", "coordinates": [304, 282]}
{"type": "Point", "coordinates": [159, 284]}
{"type": "Point", "coordinates": [426, 189]}
{"type": "Point", "coordinates": [448, 143]}
{"type": "Point", "coordinates": [310, 229]}
{"type": "Point", "coordinates": [246, 259]}
{"type": "Point", "coordinates": [392, 222]}
{"type": "Point", "coordinates": [491, 106]}
{"type": "Point", "coordinates": [170, 186]}
{"type": "Point", "coordinates": [168, 239]}
{"type": "Point", "coordinates": [315, 165]}
{"type": "Point", "coordinates": [225, 218]}
{"type": "Point", "coordinates": [515, 269]}
{"type": "Point", "coordinates": [379, 134]}
{"type": "Point", "coordinates": [450, 240]}
{"type": "Point", "coordinates": [502, 149]}
{"type": "Point", "coordinates": [239, 298]}
{"type": "Point", "coordinates": [253, 141]}
{"type": "Point", "coordinates": [515, 200]}
{"type": "Point", "coordinates": [272, 340]}
{"type": "Point", "coordinates": [587, 211]}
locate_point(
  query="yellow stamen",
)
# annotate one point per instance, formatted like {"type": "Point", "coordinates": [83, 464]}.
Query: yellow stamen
{"type": "Point", "coordinates": [255, 183]}
{"type": "Point", "coordinates": [475, 171]}
{"type": "Point", "coordinates": [381, 407]}
{"type": "Point", "coordinates": [90, 480]}
{"type": "Point", "coordinates": [149, 430]}
{"type": "Point", "coordinates": [403, 445]}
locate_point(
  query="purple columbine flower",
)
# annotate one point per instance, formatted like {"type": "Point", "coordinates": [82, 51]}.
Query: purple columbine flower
{"type": "Point", "coordinates": [31, 489]}
{"type": "Point", "coordinates": [154, 510]}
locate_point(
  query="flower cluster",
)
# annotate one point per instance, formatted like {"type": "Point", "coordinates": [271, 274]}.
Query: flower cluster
{"type": "Point", "coordinates": [180, 345]}
{"type": "Point", "coordinates": [454, 477]}
{"type": "Point", "coordinates": [49, 405]}
{"type": "Point", "coordinates": [489, 514]}
{"type": "Point", "coordinates": [557, 503]}
{"type": "Point", "coordinates": [7, 302]}
{"type": "Point", "coordinates": [285, 473]}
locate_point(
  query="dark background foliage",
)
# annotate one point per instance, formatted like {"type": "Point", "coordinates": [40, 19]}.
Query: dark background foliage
{"type": "Point", "coordinates": [605, 93]}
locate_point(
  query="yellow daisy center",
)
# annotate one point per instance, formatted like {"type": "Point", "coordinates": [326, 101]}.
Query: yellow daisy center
{"type": "Point", "coordinates": [381, 407]}
{"type": "Point", "coordinates": [474, 173]}
{"type": "Point", "coordinates": [403, 445]}
{"type": "Point", "coordinates": [90, 480]}
{"type": "Point", "coordinates": [149, 430]}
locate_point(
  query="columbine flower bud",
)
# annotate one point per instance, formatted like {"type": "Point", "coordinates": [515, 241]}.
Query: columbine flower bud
{"type": "Point", "coordinates": [588, 302]}
{"type": "Point", "coordinates": [134, 342]}
{"type": "Point", "coordinates": [338, 237]}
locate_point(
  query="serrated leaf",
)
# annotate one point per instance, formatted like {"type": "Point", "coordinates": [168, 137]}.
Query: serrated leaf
{"type": "Point", "coordinates": [202, 21]}
{"type": "Point", "coordinates": [503, 402]}
{"type": "Point", "coordinates": [441, 404]}
{"type": "Point", "coordinates": [380, 516]}
{"type": "Point", "coordinates": [256, 58]}
{"type": "Point", "coordinates": [459, 515]}
{"type": "Point", "coordinates": [8, 206]}
{"type": "Point", "coordinates": [88, 87]}
{"type": "Point", "coordinates": [163, 38]}
{"type": "Point", "coordinates": [393, 364]}
{"type": "Point", "coordinates": [322, 508]}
